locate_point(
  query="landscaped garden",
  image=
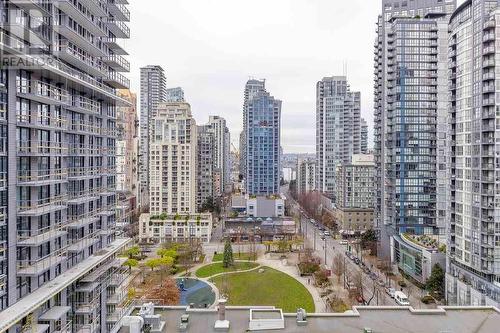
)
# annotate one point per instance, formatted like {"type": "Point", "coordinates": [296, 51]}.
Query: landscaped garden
{"type": "Point", "coordinates": [269, 287]}
{"type": "Point", "coordinates": [218, 267]}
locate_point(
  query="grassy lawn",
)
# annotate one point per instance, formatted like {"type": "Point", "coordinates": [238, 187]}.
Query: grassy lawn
{"type": "Point", "coordinates": [236, 256]}
{"type": "Point", "coordinates": [209, 270]}
{"type": "Point", "coordinates": [271, 287]}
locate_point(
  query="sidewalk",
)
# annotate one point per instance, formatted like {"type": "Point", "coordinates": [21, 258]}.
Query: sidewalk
{"type": "Point", "coordinates": [319, 303]}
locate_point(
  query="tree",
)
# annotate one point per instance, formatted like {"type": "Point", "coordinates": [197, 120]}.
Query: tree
{"type": "Point", "coordinates": [268, 245]}
{"type": "Point", "coordinates": [228, 259]}
{"type": "Point", "coordinates": [167, 253]}
{"type": "Point", "coordinates": [338, 266]}
{"type": "Point", "coordinates": [283, 245]}
{"type": "Point", "coordinates": [131, 263]}
{"type": "Point", "coordinates": [153, 263]}
{"type": "Point", "coordinates": [134, 251]}
{"type": "Point", "coordinates": [164, 263]}
{"type": "Point", "coordinates": [435, 282]}
{"type": "Point", "coordinates": [167, 291]}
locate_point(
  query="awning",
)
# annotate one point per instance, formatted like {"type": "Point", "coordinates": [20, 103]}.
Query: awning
{"type": "Point", "coordinates": [55, 313]}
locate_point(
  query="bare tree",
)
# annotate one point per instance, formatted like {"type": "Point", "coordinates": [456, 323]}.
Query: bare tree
{"type": "Point", "coordinates": [358, 282]}
{"type": "Point", "coordinates": [338, 266]}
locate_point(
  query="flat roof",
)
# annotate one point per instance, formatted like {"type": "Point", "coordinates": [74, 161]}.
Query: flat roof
{"type": "Point", "coordinates": [387, 319]}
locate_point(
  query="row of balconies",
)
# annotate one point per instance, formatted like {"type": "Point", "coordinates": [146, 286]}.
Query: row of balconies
{"type": "Point", "coordinates": [46, 175]}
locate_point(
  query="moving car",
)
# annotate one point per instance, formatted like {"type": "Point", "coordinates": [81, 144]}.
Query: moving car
{"type": "Point", "coordinates": [401, 298]}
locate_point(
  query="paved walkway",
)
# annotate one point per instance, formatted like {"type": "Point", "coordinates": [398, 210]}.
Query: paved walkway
{"type": "Point", "coordinates": [319, 303]}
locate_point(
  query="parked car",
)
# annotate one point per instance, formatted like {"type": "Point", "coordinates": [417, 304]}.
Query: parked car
{"type": "Point", "coordinates": [381, 283]}
{"type": "Point", "coordinates": [356, 261]}
{"type": "Point", "coordinates": [327, 233]}
{"type": "Point", "coordinates": [366, 270]}
{"type": "Point", "coordinates": [390, 291]}
{"type": "Point", "coordinates": [360, 300]}
{"type": "Point", "coordinates": [401, 298]}
{"type": "Point", "coordinates": [343, 242]}
{"type": "Point", "coordinates": [373, 276]}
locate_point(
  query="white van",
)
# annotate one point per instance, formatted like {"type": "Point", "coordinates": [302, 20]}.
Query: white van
{"type": "Point", "coordinates": [401, 298]}
{"type": "Point", "coordinates": [343, 242]}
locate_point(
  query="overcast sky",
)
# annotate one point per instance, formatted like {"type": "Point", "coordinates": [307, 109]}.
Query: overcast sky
{"type": "Point", "coordinates": [211, 47]}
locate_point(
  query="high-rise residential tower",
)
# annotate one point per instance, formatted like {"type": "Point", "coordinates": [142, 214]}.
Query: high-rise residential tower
{"type": "Point", "coordinates": [58, 114]}
{"type": "Point", "coordinates": [338, 128]}
{"type": "Point", "coordinates": [473, 274]}
{"type": "Point", "coordinates": [364, 137]}
{"type": "Point", "coordinates": [172, 160]}
{"type": "Point", "coordinates": [205, 161]}
{"type": "Point", "coordinates": [174, 95]}
{"type": "Point", "coordinates": [222, 145]}
{"type": "Point", "coordinates": [153, 92]}
{"type": "Point", "coordinates": [261, 135]}
{"type": "Point", "coordinates": [411, 128]}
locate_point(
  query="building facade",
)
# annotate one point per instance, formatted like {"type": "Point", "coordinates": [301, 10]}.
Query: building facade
{"type": "Point", "coordinates": [262, 132]}
{"type": "Point", "coordinates": [205, 167]}
{"type": "Point", "coordinates": [306, 176]}
{"type": "Point", "coordinates": [354, 194]}
{"type": "Point", "coordinates": [473, 275]}
{"type": "Point", "coordinates": [172, 161]}
{"type": "Point", "coordinates": [175, 228]}
{"type": "Point", "coordinates": [338, 128]}
{"type": "Point", "coordinates": [153, 92]}
{"type": "Point", "coordinates": [222, 145]}
{"type": "Point", "coordinates": [58, 132]}
{"type": "Point", "coordinates": [174, 95]}
{"type": "Point", "coordinates": [364, 137]}
{"type": "Point", "coordinates": [411, 120]}
{"type": "Point", "coordinates": [126, 160]}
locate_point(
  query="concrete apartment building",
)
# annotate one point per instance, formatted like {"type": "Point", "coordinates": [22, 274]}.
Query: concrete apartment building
{"type": "Point", "coordinates": [153, 92]}
{"type": "Point", "coordinates": [261, 135]}
{"type": "Point", "coordinates": [364, 137]}
{"type": "Point", "coordinates": [338, 128]}
{"type": "Point", "coordinates": [58, 131]}
{"type": "Point", "coordinates": [355, 193]}
{"type": "Point", "coordinates": [172, 160]}
{"type": "Point", "coordinates": [205, 166]}
{"type": "Point", "coordinates": [222, 148]}
{"type": "Point", "coordinates": [473, 274]}
{"type": "Point", "coordinates": [306, 176]}
{"type": "Point", "coordinates": [175, 227]}
{"type": "Point", "coordinates": [126, 159]}
{"type": "Point", "coordinates": [174, 95]}
{"type": "Point", "coordinates": [411, 128]}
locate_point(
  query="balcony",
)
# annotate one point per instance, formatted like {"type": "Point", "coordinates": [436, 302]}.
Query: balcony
{"type": "Point", "coordinates": [72, 55]}
{"type": "Point", "coordinates": [82, 220]}
{"type": "Point", "coordinates": [79, 197]}
{"type": "Point", "coordinates": [41, 177]}
{"type": "Point", "coordinates": [3, 181]}
{"type": "Point", "coordinates": [488, 37]}
{"type": "Point", "coordinates": [114, 45]}
{"type": "Point", "coordinates": [44, 121]}
{"type": "Point", "coordinates": [43, 92]}
{"type": "Point", "coordinates": [35, 147]}
{"type": "Point", "coordinates": [39, 6]}
{"type": "Point", "coordinates": [117, 62]}
{"type": "Point", "coordinates": [117, 80]}
{"type": "Point", "coordinates": [82, 39]}
{"type": "Point", "coordinates": [489, 63]}
{"type": "Point", "coordinates": [3, 249]}
{"type": "Point", "coordinates": [84, 172]}
{"type": "Point", "coordinates": [35, 267]}
{"type": "Point", "coordinates": [25, 26]}
{"type": "Point", "coordinates": [98, 7]}
{"type": "Point", "coordinates": [86, 127]}
{"type": "Point", "coordinates": [81, 15]}
{"type": "Point", "coordinates": [3, 284]}
{"type": "Point", "coordinates": [3, 217]}
{"type": "Point", "coordinates": [40, 236]}
{"type": "Point", "coordinates": [84, 104]}
{"type": "Point", "coordinates": [119, 11]}
{"type": "Point", "coordinates": [118, 28]}
{"type": "Point", "coordinates": [79, 149]}
{"type": "Point", "coordinates": [41, 206]}
{"type": "Point", "coordinates": [82, 244]}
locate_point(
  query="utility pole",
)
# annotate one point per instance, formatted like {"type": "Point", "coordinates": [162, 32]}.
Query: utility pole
{"type": "Point", "coordinates": [324, 246]}
{"type": "Point", "coordinates": [314, 240]}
